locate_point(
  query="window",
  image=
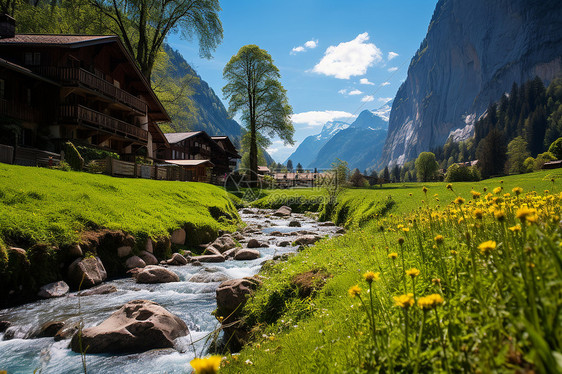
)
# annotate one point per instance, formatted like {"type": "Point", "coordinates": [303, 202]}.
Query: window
{"type": "Point", "coordinates": [32, 58]}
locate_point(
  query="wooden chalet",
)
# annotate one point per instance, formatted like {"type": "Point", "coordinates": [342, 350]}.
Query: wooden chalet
{"type": "Point", "coordinates": [87, 89]}
{"type": "Point", "coordinates": [204, 158]}
{"type": "Point", "coordinates": [285, 180]}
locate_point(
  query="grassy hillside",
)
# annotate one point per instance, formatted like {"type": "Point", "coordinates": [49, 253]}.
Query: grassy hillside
{"type": "Point", "coordinates": [54, 207]}
{"type": "Point", "coordinates": [491, 264]}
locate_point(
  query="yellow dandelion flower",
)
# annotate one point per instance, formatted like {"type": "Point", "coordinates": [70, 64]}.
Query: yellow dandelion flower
{"type": "Point", "coordinates": [393, 255]}
{"type": "Point", "coordinates": [459, 200]}
{"type": "Point", "coordinates": [437, 299]}
{"type": "Point", "coordinates": [516, 228]}
{"type": "Point", "coordinates": [506, 195]}
{"type": "Point", "coordinates": [526, 214]}
{"type": "Point", "coordinates": [453, 252]}
{"type": "Point", "coordinates": [405, 229]}
{"type": "Point", "coordinates": [517, 190]}
{"type": "Point", "coordinates": [424, 189]}
{"type": "Point", "coordinates": [497, 190]}
{"type": "Point", "coordinates": [413, 272]}
{"type": "Point", "coordinates": [371, 276]}
{"type": "Point", "coordinates": [475, 195]}
{"type": "Point", "coordinates": [487, 246]}
{"type": "Point", "coordinates": [478, 213]}
{"type": "Point", "coordinates": [439, 239]}
{"type": "Point", "coordinates": [430, 301]}
{"type": "Point", "coordinates": [209, 365]}
{"type": "Point", "coordinates": [354, 291]}
{"type": "Point", "coordinates": [499, 214]}
{"type": "Point", "coordinates": [450, 186]}
{"type": "Point", "coordinates": [404, 301]}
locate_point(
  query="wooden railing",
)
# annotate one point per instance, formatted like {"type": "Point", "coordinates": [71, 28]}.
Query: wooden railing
{"type": "Point", "coordinates": [84, 77]}
{"type": "Point", "coordinates": [78, 112]}
{"type": "Point", "coordinates": [35, 157]}
{"type": "Point", "coordinates": [17, 110]}
{"type": "Point", "coordinates": [6, 154]}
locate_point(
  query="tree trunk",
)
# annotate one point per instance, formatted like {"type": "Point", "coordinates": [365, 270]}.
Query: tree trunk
{"type": "Point", "coordinates": [253, 153]}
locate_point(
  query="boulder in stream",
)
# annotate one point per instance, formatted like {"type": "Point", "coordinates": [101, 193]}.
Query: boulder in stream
{"type": "Point", "coordinates": [178, 237]}
{"type": "Point", "coordinates": [254, 243]}
{"type": "Point", "coordinates": [208, 275]}
{"type": "Point", "coordinates": [284, 211]}
{"type": "Point", "coordinates": [307, 240]}
{"type": "Point", "coordinates": [156, 274]}
{"type": "Point", "coordinates": [50, 329]}
{"type": "Point", "coordinates": [177, 260]}
{"type": "Point", "coordinates": [246, 254]}
{"type": "Point", "coordinates": [148, 258]}
{"type": "Point", "coordinates": [134, 262]}
{"type": "Point", "coordinates": [294, 223]}
{"type": "Point", "coordinates": [56, 289]}
{"type": "Point", "coordinates": [103, 289]}
{"type": "Point", "coordinates": [138, 326]}
{"type": "Point", "coordinates": [210, 258]}
{"type": "Point", "coordinates": [232, 295]}
{"type": "Point", "coordinates": [90, 269]}
{"type": "Point", "coordinates": [224, 243]}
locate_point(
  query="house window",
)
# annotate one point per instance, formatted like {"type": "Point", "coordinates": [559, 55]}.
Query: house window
{"type": "Point", "coordinates": [2, 89]}
{"type": "Point", "coordinates": [32, 58]}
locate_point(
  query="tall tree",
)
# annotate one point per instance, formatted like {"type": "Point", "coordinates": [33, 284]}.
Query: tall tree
{"type": "Point", "coordinates": [491, 154]}
{"type": "Point", "coordinates": [426, 166]}
{"type": "Point", "coordinates": [517, 153]}
{"type": "Point", "coordinates": [143, 25]}
{"type": "Point", "coordinates": [385, 175]}
{"type": "Point", "coordinates": [8, 7]}
{"type": "Point", "coordinates": [290, 165]}
{"type": "Point", "coordinates": [254, 89]}
{"type": "Point", "coordinates": [299, 168]}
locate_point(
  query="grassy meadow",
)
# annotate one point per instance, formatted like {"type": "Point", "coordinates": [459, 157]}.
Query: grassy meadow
{"type": "Point", "coordinates": [459, 278]}
{"type": "Point", "coordinates": [54, 207]}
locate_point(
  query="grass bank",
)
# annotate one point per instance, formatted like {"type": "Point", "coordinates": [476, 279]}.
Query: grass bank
{"type": "Point", "coordinates": [463, 279]}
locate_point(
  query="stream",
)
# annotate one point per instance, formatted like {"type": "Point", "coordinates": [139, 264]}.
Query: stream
{"type": "Point", "coordinates": [192, 302]}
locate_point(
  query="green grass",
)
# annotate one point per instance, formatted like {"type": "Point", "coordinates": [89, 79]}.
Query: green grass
{"type": "Point", "coordinates": [54, 207]}
{"type": "Point", "coordinates": [498, 316]}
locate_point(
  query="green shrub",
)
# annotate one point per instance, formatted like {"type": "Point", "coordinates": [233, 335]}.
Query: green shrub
{"type": "Point", "coordinates": [556, 148]}
{"type": "Point", "coordinates": [89, 153]}
{"type": "Point", "coordinates": [73, 157]}
{"type": "Point", "coordinates": [542, 159]}
{"type": "Point", "coordinates": [462, 173]}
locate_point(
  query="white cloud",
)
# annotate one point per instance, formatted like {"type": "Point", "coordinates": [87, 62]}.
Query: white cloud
{"type": "Point", "coordinates": [319, 118]}
{"type": "Point", "coordinates": [349, 59]}
{"type": "Point", "coordinates": [366, 81]}
{"type": "Point", "coordinates": [367, 99]}
{"type": "Point", "coordinates": [343, 91]}
{"type": "Point", "coordinates": [302, 48]}
{"type": "Point", "coordinates": [385, 84]}
{"type": "Point", "coordinates": [311, 44]}
{"type": "Point", "coordinates": [384, 100]}
{"type": "Point", "coordinates": [392, 69]}
{"type": "Point", "coordinates": [355, 92]}
{"type": "Point", "coordinates": [392, 55]}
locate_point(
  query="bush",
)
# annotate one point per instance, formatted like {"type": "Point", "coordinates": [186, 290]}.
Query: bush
{"type": "Point", "coordinates": [462, 173]}
{"type": "Point", "coordinates": [89, 153]}
{"type": "Point", "coordinates": [556, 148]}
{"type": "Point", "coordinates": [529, 164]}
{"type": "Point", "coordinates": [543, 158]}
{"type": "Point", "coordinates": [73, 157]}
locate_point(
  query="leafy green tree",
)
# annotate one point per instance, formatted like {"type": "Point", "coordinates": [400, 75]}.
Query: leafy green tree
{"type": "Point", "coordinates": [517, 152]}
{"type": "Point", "coordinates": [556, 148]}
{"type": "Point", "coordinates": [254, 89]}
{"type": "Point", "coordinates": [357, 179]}
{"type": "Point", "coordinates": [143, 25]}
{"type": "Point", "coordinates": [8, 7]}
{"type": "Point", "coordinates": [385, 175]}
{"type": "Point", "coordinates": [491, 154]}
{"type": "Point", "coordinates": [426, 165]}
{"type": "Point", "coordinates": [374, 178]}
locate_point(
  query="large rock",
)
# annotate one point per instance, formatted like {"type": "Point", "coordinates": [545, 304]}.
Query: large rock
{"type": "Point", "coordinates": [294, 223]}
{"type": "Point", "coordinates": [307, 240]}
{"type": "Point", "coordinates": [124, 251]}
{"type": "Point", "coordinates": [103, 289]}
{"type": "Point", "coordinates": [246, 254]}
{"type": "Point", "coordinates": [284, 243]}
{"type": "Point", "coordinates": [210, 258]}
{"type": "Point", "coordinates": [138, 326]}
{"type": "Point", "coordinates": [148, 258]}
{"type": "Point", "coordinates": [90, 269]}
{"type": "Point", "coordinates": [149, 246]}
{"type": "Point", "coordinates": [178, 237]}
{"type": "Point", "coordinates": [326, 224]}
{"type": "Point", "coordinates": [156, 274]}
{"type": "Point", "coordinates": [50, 329]}
{"type": "Point", "coordinates": [238, 236]}
{"type": "Point", "coordinates": [51, 290]}
{"type": "Point", "coordinates": [284, 211]}
{"type": "Point", "coordinates": [231, 253]}
{"type": "Point", "coordinates": [208, 275]}
{"type": "Point", "coordinates": [135, 262]}
{"type": "Point", "coordinates": [224, 243]}
{"type": "Point", "coordinates": [254, 243]}
{"type": "Point", "coordinates": [211, 250]}
{"type": "Point", "coordinates": [232, 295]}
{"type": "Point", "coordinates": [177, 260]}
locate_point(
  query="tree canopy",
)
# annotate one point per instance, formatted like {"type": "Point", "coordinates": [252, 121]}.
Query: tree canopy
{"type": "Point", "coordinates": [254, 89]}
{"type": "Point", "coordinates": [426, 165]}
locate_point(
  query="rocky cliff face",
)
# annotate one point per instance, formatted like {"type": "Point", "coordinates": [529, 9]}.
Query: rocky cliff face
{"type": "Point", "coordinates": [473, 52]}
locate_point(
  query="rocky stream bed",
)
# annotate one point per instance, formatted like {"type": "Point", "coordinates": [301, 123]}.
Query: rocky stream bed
{"type": "Point", "coordinates": [190, 297]}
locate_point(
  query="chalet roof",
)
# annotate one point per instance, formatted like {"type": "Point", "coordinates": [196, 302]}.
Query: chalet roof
{"type": "Point", "coordinates": [176, 137]}
{"type": "Point", "coordinates": [265, 169]}
{"type": "Point", "coordinates": [23, 70]}
{"type": "Point", "coordinates": [190, 162]}
{"type": "Point", "coordinates": [227, 145]}
{"type": "Point", "coordinates": [58, 39]}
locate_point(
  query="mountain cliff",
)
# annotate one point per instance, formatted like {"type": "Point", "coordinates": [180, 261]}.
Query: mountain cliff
{"type": "Point", "coordinates": [472, 54]}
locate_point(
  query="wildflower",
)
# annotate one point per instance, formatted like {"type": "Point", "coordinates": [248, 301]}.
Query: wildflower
{"type": "Point", "coordinates": [207, 365]}
{"type": "Point", "coordinates": [439, 239]}
{"type": "Point", "coordinates": [450, 186]}
{"type": "Point", "coordinates": [475, 195]}
{"type": "Point", "coordinates": [410, 194]}
{"type": "Point", "coordinates": [430, 301]}
{"type": "Point", "coordinates": [354, 291]}
{"type": "Point", "coordinates": [515, 228]}
{"type": "Point", "coordinates": [517, 190]}
{"type": "Point", "coordinates": [404, 301]}
{"type": "Point", "coordinates": [424, 189]}
{"type": "Point", "coordinates": [453, 252]}
{"type": "Point", "coordinates": [499, 214]}
{"type": "Point", "coordinates": [506, 195]}
{"type": "Point", "coordinates": [497, 190]}
{"type": "Point", "coordinates": [487, 246]}
{"type": "Point", "coordinates": [459, 200]}
{"type": "Point", "coordinates": [371, 276]}
{"type": "Point", "coordinates": [524, 213]}
{"type": "Point", "coordinates": [413, 272]}
{"type": "Point", "coordinates": [405, 229]}
{"type": "Point", "coordinates": [478, 213]}
{"type": "Point", "coordinates": [393, 255]}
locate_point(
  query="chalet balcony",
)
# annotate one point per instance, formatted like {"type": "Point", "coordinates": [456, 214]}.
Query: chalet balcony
{"type": "Point", "coordinates": [17, 110]}
{"type": "Point", "coordinates": [102, 121]}
{"type": "Point", "coordinates": [91, 81]}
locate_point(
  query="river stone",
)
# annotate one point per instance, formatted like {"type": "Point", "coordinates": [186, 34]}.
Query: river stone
{"type": "Point", "coordinates": [284, 243]}
{"type": "Point", "coordinates": [66, 332]}
{"type": "Point", "coordinates": [238, 236]}
{"type": "Point", "coordinates": [231, 253]}
{"type": "Point", "coordinates": [254, 243]}
{"type": "Point", "coordinates": [178, 237]}
{"type": "Point", "coordinates": [210, 258]}
{"type": "Point", "coordinates": [148, 258]}
{"type": "Point", "coordinates": [326, 224]}
{"type": "Point", "coordinates": [276, 233]}
{"type": "Point", "coordinates": [90, 268]}
{"type": "Point", "coordinates": [232, 294]}
{"type": "Point", "coordinates": [294, 223]}
{"type": "Point", "coordinates": [224, 243]}
{"type": "Point", "coordinates": [247, 211]}
{"type": "Point", "coordinates": [138, 326]}
{"type": "Point", "coordinates": [211, 250]}
{"type": "Point", "coordinates": [103, 289]}
{"type": "Point", "coordinates": [56, 289]}
{"type": "Point", "coordinates": [74, 251]}
{"type": "Point", "coordinates": [149, 247]}
{"type": "Point", "coordinates": [50, 329]}
{"type": "Point", "coordinates": [134, 262]}
{"type": "Point", "coordinates": [307, 240]}
{"type": "Point", "coordinates": [124, 251]}
{"type": "Point", "coordinates": [177, 260]}
{"type": "Point", "coordinates": [156, 274]}
{"type": "Point", "coordinates": [208, 275]}
{"type": "Point", "coordinates": [284, 211]}
{"type": "Point", "coordinates": [247, 254]}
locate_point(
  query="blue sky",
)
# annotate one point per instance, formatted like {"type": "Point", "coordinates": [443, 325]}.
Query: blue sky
{"type": "Point", "coordinates": [336, 58]}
